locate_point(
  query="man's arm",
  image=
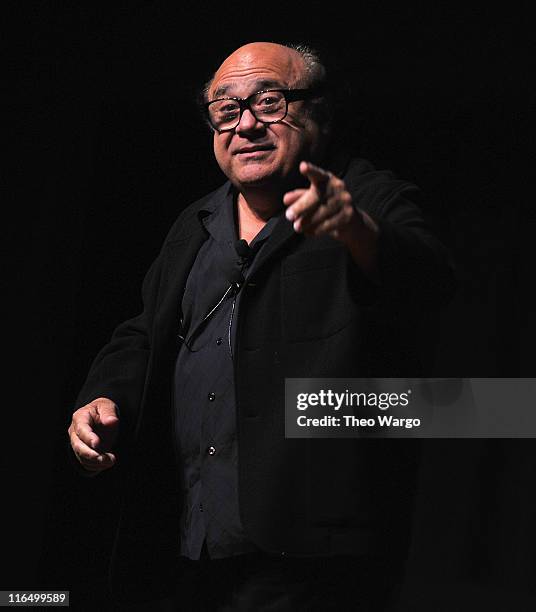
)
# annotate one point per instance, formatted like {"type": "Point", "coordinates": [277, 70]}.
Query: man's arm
{"type": "Point", "coordinates": [113, 389]}
{"type": "Point", "coordinates": [390, 243]}
{"type": "Point", "coordinates": [326, 207]}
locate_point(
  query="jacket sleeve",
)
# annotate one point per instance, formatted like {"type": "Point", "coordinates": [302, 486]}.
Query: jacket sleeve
{"type": "Point", "coordinates": [119, 370]}
{"type": "Point", "coordinates": [415, 270]}
{"type": "Point", "coordinates": [414, 266]}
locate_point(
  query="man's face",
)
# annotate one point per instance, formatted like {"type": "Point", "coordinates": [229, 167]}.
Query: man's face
{"type": "Point", "coordinates": [254, 154]}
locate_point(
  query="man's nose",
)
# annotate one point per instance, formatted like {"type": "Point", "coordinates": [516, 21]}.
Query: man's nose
{"type": "Point", "coordinates": [248, 122]}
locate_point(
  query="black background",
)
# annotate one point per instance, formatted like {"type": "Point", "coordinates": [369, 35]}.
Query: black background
{"type": "Point", "coordinates": [105, 148]}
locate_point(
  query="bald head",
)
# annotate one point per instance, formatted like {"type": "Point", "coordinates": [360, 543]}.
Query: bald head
{"type": "Point", "coordinates": [259, 58]}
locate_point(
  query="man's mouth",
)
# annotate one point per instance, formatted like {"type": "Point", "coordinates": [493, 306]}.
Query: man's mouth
{"type": "Point", "coordinates": [253, 149]}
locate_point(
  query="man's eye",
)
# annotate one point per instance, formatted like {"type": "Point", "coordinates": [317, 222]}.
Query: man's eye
{"type": "Point", "coordinates": [228, 109]}
{"type": "Point", "coordinates": [268, 101]}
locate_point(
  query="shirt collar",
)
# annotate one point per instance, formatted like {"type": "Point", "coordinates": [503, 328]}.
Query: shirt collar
{"type": "Point", "coordinates": [218, 218]}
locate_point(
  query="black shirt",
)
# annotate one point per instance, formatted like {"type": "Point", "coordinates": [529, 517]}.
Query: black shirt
{"type": "Point", "coordinates": [205, 407]}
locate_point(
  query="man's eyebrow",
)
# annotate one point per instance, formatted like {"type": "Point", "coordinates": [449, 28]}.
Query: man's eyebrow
{"type": "Point", "coordinates": [258, 86]}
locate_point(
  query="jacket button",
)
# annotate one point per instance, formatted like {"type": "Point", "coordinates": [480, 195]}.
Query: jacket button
{"type": "Point", "coordinates": [211, 450]}
{"type": "Point", "coordinates": [211, 397]}
{"type": "Point", "coordinates": [219, 341]}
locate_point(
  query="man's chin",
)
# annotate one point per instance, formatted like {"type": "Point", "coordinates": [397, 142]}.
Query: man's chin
{"type": "Point", "coordinates": [257, 177]}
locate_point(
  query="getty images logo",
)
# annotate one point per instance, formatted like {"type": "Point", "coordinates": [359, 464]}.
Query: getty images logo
{"type": "Point", "coordinates": [332, 399]}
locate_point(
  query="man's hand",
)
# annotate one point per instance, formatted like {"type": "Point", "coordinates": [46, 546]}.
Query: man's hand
{"type": "Point", "coordinates": [325, 208]}
{"type": "Point", "coordinates": [93, 432]}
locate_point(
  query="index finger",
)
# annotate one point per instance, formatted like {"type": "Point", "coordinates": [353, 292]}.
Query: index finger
{"type": "Point", "coordinates": [315, 174]}
{"type": "Point", "coordinates": [83, 424]}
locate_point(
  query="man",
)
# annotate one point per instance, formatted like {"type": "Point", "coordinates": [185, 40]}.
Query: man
{"type": "Point", "coordinates": [304, 264]}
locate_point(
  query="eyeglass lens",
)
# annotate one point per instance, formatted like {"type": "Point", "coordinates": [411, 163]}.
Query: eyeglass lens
{"type": "Point", "coordinates": [267, 107]}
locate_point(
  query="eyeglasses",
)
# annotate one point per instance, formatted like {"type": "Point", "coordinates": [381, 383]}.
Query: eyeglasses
{"type": "Point", "coordinates": [268, 106]}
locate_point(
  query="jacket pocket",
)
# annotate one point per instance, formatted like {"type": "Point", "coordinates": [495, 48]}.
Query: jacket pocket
{"type": "Point", "coordinates": [315, 298]}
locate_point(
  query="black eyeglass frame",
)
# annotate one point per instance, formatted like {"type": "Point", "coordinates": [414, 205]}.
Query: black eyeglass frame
{"type": "Point", "coordinates": [290, 95]}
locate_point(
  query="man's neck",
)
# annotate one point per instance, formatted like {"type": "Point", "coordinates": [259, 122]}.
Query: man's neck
{"type": "Point", "coordinates": [255, 206]}
{"type": "Point", "coordinates": [253, 211]}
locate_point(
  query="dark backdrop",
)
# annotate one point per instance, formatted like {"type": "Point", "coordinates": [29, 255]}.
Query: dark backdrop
{"type": "Point", "coordinates": [107, 149]}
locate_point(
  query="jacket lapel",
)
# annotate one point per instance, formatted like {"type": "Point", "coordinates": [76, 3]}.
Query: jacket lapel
{"type": "Point", "coordinates": [282, 234]}
{"type": "Point", "coordinates": [180, 255]}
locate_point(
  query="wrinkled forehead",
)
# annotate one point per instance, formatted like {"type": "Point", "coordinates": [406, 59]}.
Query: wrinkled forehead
{"type": "Point", "coordinates": [257, 67]}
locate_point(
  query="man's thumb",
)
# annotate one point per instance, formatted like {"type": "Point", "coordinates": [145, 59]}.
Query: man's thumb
{"type": "Point", "coordinates": [109, 419]}
{"type": "Point", "coordinates": [106, 414]}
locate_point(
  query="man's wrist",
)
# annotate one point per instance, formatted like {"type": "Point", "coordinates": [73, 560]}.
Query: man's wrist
{"type": "Point", "coordinates": [361, 239]}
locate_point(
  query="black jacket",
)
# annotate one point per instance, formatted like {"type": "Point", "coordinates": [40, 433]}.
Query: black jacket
{"type": "Point", "coordinates": [308, 312]}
